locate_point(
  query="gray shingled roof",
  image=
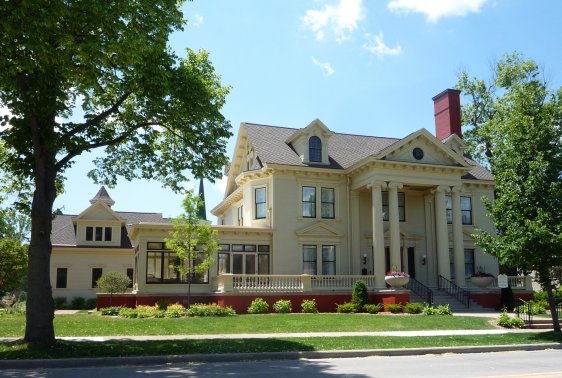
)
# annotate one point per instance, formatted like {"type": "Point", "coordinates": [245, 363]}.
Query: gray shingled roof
{"type": "Point", "coordinates": [344, 149]}
{"type": "Point", "coordinates": [64, 232]}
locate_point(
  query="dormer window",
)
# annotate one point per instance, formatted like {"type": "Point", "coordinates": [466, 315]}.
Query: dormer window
{"type": "Point", "coordinates": [315, 149]}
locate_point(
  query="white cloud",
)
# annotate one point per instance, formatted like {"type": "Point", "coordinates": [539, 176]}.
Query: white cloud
{"type": "Point", "coordinates": [435, 9]}
{"type": "Point", "coordinates": [340, 19]}
{"type": "Point", "coordinates": [326, 67]}
{"type": "Point", "coordinates": [375, 45]}
{"type": "Point", "coordinates": [196, 20]}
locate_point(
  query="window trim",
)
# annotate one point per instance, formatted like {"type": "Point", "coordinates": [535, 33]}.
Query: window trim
{"type": "Point", "coordinates": [334, 261]}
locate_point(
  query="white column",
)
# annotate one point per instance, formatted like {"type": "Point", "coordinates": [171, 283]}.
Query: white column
{"type": "Point", "coordinates": [458, 243]}
{"type": "Point", "coordinates": [443, 267]}
{"type": "Point", "coordinates": [357, 259]}
{"type": "Point", "coordinates": [394, 220]}
{"type": "Point", "coordinates": [378, 233]}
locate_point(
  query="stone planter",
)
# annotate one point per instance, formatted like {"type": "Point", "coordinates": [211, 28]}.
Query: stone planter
{"type": "Point", "coordinates": [396, 281]}
{"type": "Point", "coordinates": [481, 281]}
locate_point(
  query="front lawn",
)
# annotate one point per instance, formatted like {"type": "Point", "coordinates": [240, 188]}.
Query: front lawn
{"type": "Point", "coordinates": [82, 349]}
{"type": "Point", "coordinates": [97, 325]}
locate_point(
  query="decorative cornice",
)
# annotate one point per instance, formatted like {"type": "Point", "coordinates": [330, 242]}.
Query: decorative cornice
{"type": "Point", "coordinates": [232, 198]}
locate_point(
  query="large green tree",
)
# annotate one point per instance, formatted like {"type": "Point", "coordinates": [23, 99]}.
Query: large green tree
{"type": "Point", "coordinates": [524, 140]}
{"type": "Point", "coordinates": [13, 265]}
{"type": "Point", "coordinates": [107, 64]}
{"type": "Point", "coordinates": [193, 241]}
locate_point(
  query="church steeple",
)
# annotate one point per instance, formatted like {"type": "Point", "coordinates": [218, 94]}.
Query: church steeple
{"type": "Point", "coordinates": [102, 196]}
{"type": "Point", "coordinates": [202, 212]}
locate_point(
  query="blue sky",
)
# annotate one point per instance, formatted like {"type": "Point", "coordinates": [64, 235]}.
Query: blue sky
{"type": "Point", "coordinates": [362, 67]}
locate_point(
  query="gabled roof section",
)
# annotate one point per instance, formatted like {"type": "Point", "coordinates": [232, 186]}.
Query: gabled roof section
{"type": "Point", "coordinates": [314, 126]}
{"type": "Point", "coordinates": [439, 154]}
{"type": "Point", "coordinates": [64, 230]}
{"type": "Point", "coordinates": [99, 211]}
{"type": "Point", "coordinates": [320, 229]}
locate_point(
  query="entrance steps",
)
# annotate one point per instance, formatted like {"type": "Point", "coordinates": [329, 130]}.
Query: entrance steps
{"type": "Point", "coordinates": [538, 323]}
{"type": "Point", "coordinates": [441, 297]}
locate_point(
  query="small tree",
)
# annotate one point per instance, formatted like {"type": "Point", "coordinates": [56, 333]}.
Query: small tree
{"type": "Point", "coordinates": [13, 265]}
{"type": "Point", "coordinates": [113, 282]}
{"type": "Point", "coordinates": [193, 241]}
{"type": "Point", "coordinates": [360, 296]}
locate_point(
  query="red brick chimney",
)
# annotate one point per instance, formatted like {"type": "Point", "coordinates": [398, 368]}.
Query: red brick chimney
{"type": "Point", "coordinates": [447, 108]}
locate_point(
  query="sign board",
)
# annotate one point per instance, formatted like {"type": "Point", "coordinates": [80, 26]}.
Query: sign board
{"type": "Point", "coordinates": [502, 281]}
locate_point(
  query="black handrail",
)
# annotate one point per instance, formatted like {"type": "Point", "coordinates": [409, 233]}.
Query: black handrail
{"type": "Point", "coordinates": [525, 311]}
{"type": "Point", "coordinates": [454, 290]}
{"type": "Point", "coordinates": [421, 290]}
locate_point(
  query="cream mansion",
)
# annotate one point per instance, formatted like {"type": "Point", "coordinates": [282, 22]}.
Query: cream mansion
{"type": "Point", "coordinates": [306, 211]}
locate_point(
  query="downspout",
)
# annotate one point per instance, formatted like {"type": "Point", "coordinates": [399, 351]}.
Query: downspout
{"type": "Point", "coordinates": [349, 252]}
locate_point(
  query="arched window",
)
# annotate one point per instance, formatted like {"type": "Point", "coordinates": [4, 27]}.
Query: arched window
{"type": "Point", "coordinates": [315, 149]}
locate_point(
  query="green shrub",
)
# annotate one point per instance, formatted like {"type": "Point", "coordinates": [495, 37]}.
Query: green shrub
{"type": "Point", "coordinates": [395, 308]}
{"type": "Point", "coordinates": [309, 306]}
{"type": "Point", "coordinates": [127, 312]}
{"type": "Point", "coordinates": [373, 308]}
{"type": "Point", "coordinates": [536, 309]}
{"type": "Point", "coordinates": [543, 295]}
{"type": "Point", "coordinates": [78, 303]}
{"type": "Point", "coordinates": [91, 303]}
{"type": "Point", "coordinates": [211, 309]}
{"type": "Point", "coordinates": [429, 310]}
{"type": "Point", "coordinates": [444, 310]}
{"type": "Point", "coordinates": [175, 310]}
{"type": "Point", "coordinates": [360, 296]}
{"type": "Point", "coordinates": [146, 311]}
{"type": "Point", "coordinates": [17, 308]}
{"type": "Point", "coordinates": [110, 311]}
{"type": "Point", "coordinates": [60, 302]}
{"type": "Point", "coordinates": [258, 306]}
{"type": "Point", "coordinates": [507, 322]}
{"type": "Point", "coordinates": [283, 306]}
{"type": "Point", "coordinates": [22, 297]}
{"type": "Point", "coordinates": [346, 307]}
{"type": "Point", "coordinates": [413, 308]}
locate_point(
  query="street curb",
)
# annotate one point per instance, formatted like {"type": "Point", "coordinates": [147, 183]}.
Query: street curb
{"type": "Point", "coordinates": [236, 357]}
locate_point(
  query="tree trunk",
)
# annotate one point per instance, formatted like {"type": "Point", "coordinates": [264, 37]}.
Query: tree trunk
{"type": "Point", "coordinates": [40, 305]}
{"type": "Point", "coordinates": [552, 305]}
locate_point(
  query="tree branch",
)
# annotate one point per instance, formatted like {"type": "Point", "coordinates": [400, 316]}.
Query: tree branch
{"type": "Point", "coordinates": [98, 118]}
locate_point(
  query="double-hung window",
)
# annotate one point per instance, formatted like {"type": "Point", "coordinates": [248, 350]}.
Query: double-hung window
{"type": "Point", "coordinates": [308, 202]}
{"type": "Point", "coordinates": [328, 260]}
{"type": "Point", "coordinates": [328, 199]}
{"type": "Point", "coordinates": [261, 202]}
{"type": "Point", "coordinates": [401, 206]}
{"type": "Point", "coordinates": [309, 260]}
{"type": "Point", "coordinates": [315, 149]}
{"type": "Point", "coordinates": [466, 209]}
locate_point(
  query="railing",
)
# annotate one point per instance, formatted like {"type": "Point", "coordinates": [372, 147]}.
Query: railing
{"type": "Point", "coordinates": [524, 311]}
{"type": "Point", "coordinates": [515, 282]}
{"type": "Point", "coordinates": [452, 289]}
{"type": "Point", "coordinates": [420, 289]}
{"type": "Point", "coordinates": [289, 283]}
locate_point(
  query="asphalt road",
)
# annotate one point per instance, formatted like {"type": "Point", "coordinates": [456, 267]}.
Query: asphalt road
{"type": "Point", "coordinates": [521, 364]}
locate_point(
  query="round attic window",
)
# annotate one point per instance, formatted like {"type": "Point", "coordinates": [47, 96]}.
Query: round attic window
{"type": "Point", "coordinates": [418, 153]}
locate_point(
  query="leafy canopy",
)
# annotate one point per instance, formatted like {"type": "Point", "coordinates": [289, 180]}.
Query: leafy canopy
{"type": "Point", "coordinates": [13, 265]}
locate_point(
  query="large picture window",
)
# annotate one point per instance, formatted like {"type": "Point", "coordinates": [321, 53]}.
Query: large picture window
{"type": "Point", "coordinates": [308, 202]}
{"type": "Point", "coordinates": [161, 267]}
{"type": "Point", "coordinates": [261, 203]}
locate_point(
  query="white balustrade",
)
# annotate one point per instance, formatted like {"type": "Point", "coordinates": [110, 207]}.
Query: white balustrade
{"type": "Point", "coordinates": [254, 283]}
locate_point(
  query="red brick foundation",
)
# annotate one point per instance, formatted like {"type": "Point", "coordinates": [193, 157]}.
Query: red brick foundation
{"type": "Point", "coordinates": [325, 302]}
{"type": "Point", "coordinates": [493, 299]}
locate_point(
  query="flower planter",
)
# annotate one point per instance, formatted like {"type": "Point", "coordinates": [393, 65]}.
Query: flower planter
{"type": "Point", "coordinates": [396, 281]}
{"type": "Point", "coordinates": [482, 281]}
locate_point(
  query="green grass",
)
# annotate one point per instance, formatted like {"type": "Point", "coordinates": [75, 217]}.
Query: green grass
{"type": "Point", "coordinates": [96, 325]}
{"type": "Point", "coordinates": [68, 349]}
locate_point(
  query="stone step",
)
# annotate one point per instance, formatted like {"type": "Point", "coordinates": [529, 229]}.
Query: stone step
{"type": "Point", "coordinates": [541, 324]}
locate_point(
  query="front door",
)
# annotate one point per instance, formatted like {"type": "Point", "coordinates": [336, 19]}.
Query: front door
{"type": "Point", "coordinates": [411, 262]}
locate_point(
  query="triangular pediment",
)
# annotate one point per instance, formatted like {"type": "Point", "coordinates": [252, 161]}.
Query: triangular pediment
{"type": "Point", "coordinates": [320, 230]}
{"type": "Point", "coordinates": [422, 147]}
{"type": "Point", "coordinates": [99, 211]}
{"type": "Point", "coordinates": [315, 127]}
